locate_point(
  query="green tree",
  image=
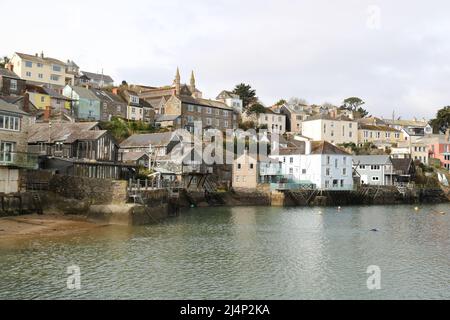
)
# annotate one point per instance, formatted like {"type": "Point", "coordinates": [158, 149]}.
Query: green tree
{"type": "Point", "coordinates": [256, 108]}
{"type": "Point", "coordinates": [246, 93]}
{"type": "Point", "coordinates": [362, 112]}
{"type": "Point", "coordinates": [442, 121]}
{"type": "Point", "coordinates": [353, 103]}
{"type": "Point", "coordinates": [281, 102]}
{"type": "Point", "coordinates": [4, 61]}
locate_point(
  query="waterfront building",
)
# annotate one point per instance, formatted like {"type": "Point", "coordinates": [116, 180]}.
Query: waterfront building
{"type": "Point", "coordinates": [79, 149]}
{"type": "Point", "coordinates": [14, 126]}
{"type": "Point", "coordinates": [40, 69]}
{"type": "Point", "coordinates": [11, 84]}
{"type": "Point", "coordinates": [404, 170]}
{"type": "Point", "coordinates": [251, 170]}
{"type": "Point", "coordinates": [273, 122]}
{"type": "Point", "coordinates": [111, 105]}
{"type": "Point", "coordinates": [85, 104]}
{"type": "Point", "coordinates": [338, 130]}
{"type": "Point", "coordinates": [374, 169]}
{"type": "Point", "coordinates": [316, 163]}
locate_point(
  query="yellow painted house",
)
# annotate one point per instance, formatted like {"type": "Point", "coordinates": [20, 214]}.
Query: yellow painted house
{"type": "Point", "coordinates": [40, 100]}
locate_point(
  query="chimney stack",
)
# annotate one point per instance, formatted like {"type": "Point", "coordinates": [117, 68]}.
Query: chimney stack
{"type": "Point", "coordinates": [26, 102]}
{"type": "Point", "coordinates": [115, 91]}
{"type": "Point", "coordinates": [42, 54]}
{"type": "Point", "coordinates": [47, 113]}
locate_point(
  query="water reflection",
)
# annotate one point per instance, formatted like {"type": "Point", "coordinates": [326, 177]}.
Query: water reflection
{"type": "Point", "coordinates": [243, 253]}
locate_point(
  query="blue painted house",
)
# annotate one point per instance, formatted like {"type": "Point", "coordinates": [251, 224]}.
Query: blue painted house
{"type": "Point", "coordinates": [86, 105]}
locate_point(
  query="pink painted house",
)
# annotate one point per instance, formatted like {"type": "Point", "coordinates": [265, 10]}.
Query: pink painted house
{"type": "Point", "coordinates": [439, 148]}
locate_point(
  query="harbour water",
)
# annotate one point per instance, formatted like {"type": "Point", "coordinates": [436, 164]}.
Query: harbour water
{"type": "Point", "coordinates": [243, 253]}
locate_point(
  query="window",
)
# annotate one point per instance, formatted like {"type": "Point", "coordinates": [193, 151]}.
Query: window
{"type": "Point", "coordinates": [13, 85]}
{"type": "Point", "coordinates": [40, 65]}
{"type": "Point", "coordinates": [119, 109]}
{"type": "Point", "coordinates": [336, 163]}
{"type": "Point", "coordinates": [42, 99]}
{"type": "Point", "coordinates": [327, 172]}
{"type": "Point", "coordinates": [375, 168]}
{"type": "Point", "coordinates": [28, 74]}
{"type": "Point", "coordinates": [375, 178]}
{"type": "Point", "coordinates": [362, 167]}
{"type": "Point", "coordinates": [397, 136]}
{"type": "Point", "coordinates": [342, 183]}
{"type": "Point", "coordinates": [133, 110]}
{"type": "Point", "coordinates": [350, 134]}
{"type": "Point", "coordinates": [217, 122]}
{"type": "Point", "coordinates": [28, 64]}
{"type": "Point", "coordinates": [327, 184]}
{"type": "Point", "coordinates": [350, 125]}
{"type": "Point", "coordinates": [344, 160]}
{"type": "Point", "coordinates": [208, 121]}
{"type": "Point", "coordinates": [304, 171]}
{"type": "Point", "coordinates": [54, 77]}
{"type": "Point", "coordinates": [378, 135]}
{"type": "Point", "coordinates": [291, 171]}
{"type": "Point", "coordinates": [190, 119]}
{"type": "Point", "coordinates": [9, 123]}
{"type": "Point", "coordinates": [328, 160]}
{"type": "Point", "coordinates": [366, 134]}
{"type": "Point", "coordinates": [388, 135]}
{"type": "Point", "coordinates": [217, 112]}
{"type": "Point", "coordinates": [7, 151]}
{"type": "Point", "coordinates": [239, 166]}
{"type": "Point", "coordinates": [291, 160]}
{"type": "Point", "coordinates": [209, 110]}
{"type": "Point", "coordinates": [190, 108]}
{"type": "Point", "coordinates": [344, 172]}
{"type": "Point", "coordinates": [41, 76]}
{"type": "Point", "coordinates": [199, 109]}
{"type": "Point", "coordinates": [56, 68]}
{"type": "Point", "coordinates": [324, 128]}
{"type": "Point", "coordinates": [252, 166]}
{"type": "Point", "coordinates": [237, 178]}
{"type": "Point", "coordinates": [225, 114]}
{"type": "Point", "coordinates": [226, 124]}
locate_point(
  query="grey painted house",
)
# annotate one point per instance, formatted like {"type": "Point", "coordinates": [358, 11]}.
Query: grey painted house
{"type": "Point", "coordinates": [374, 169]}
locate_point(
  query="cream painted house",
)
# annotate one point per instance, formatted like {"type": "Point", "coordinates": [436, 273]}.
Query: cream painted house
{"type": "Point", "coordinates": [39, 69]}
{"type": "Point", "coordinates": [334, 130]}
{"type": "Point", "coordinates": [379, 135]}
{"type": "Point", "coordinates": [250, 170]}
{"type": "Point", "coordinates": [274, 122]}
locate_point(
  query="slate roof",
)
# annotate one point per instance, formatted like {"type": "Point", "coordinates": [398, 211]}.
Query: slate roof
{"type": "Point", "coordinates": [403, 165]}
{"type": "Point", "coordinates": [7, 73]}
{"type": "Point", "coordinates": [167, 117]}
{"type": "Point", "coordinates": [324, 147]}
{"type": "Point", "coordinates": [85, 93]}
{"type": "Point", "coordinates": [107, 96]}
{"type": "Point", "coordinates": [54, 94]}
{"type": "Point", "coordinates": [203, 102]}
{"type": "Point", "coordinates": [9, 107]}
{"type": "Point", "coordinates": [377, 128]}
{"type": "Point", "coordinates": [38, 58]}
{"type": "Point", "coordinates": [39, 132]}
{"type": "Point", "coordinates": [328, 117]}
{"type": "Point", "coordinates": [372, 160]}
{"type": "Point", "coordinates": [132, 156]}
{"type": "Point", "coordinates": [97, 77]}
{"type": "Point", "coordinates": [144, 140]}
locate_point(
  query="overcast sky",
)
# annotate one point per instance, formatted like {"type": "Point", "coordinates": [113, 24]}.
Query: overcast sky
{"type": "Point", "coordinates": [393, 54]}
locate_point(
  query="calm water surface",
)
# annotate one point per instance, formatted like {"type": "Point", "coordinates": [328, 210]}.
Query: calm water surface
{"type": "Point", "coordinates": [243, 253]}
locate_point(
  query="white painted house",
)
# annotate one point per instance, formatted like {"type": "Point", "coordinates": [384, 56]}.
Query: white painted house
{"type": "Point", "coordinates": [319, 163]}
{"type": "Point", "coordinates": [335, 130]}
{"type": "Point", "coordinates": [375, 170]}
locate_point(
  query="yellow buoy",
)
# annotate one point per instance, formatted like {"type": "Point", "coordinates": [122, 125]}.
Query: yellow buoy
{"type": "Point", "coordinates": [416, 208]}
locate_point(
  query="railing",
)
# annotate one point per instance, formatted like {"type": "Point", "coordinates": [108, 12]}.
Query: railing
{"type": "Point", "coordinates": [19, 159]}
{"type": "Point", "coordinates": [270, 171]}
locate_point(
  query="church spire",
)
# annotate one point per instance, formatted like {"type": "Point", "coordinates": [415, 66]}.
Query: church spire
{"type": "Point", "coordinates": [192, 87]}
{"type": "Point", "coordinates": [177, 82]}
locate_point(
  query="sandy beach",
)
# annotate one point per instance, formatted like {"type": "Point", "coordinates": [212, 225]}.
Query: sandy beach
{"type": "Point", "coordinates": [12, 228]}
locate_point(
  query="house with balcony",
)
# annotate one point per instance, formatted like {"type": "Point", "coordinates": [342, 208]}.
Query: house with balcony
{"type": "Point", "coordinates": [78, 148]}
{"type": "Point", "coordinates": [317, 165]}
{"type": "Point", "coordinates": [39, 69]}
{"type": "Point", "coordinates": [14, 126]}
{"type": "Point", "coordinates": [85, 104]}
{"type": "Point", "coordinates": [251, 170]}
{"type": "Point", "coordinates": [377, 170]}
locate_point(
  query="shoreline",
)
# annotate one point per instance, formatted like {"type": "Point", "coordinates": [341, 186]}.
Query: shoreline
{"type": "Point", "coordinates": [47, 225]}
